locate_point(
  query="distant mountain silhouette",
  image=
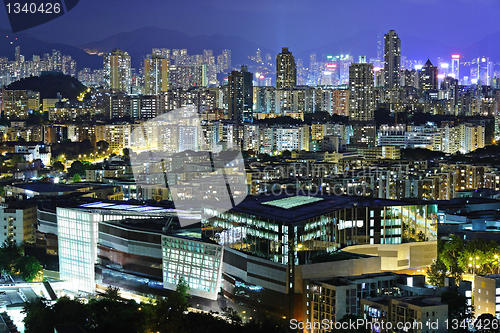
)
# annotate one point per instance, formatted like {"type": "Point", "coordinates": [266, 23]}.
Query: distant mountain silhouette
{"type": "Point", "coordinates": [486, 47]}
{"type": "Point", "coordinates": [30, 46]}
{"type": "Point", "coordinates": [139, 43]}
{"type": "Point", "coordinates": [49, 85]}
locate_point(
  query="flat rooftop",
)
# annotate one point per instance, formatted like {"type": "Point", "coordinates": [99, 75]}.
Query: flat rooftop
{"type": "Point", "coordinates": [338, 256]}
{"type": "Point", "coordinates": [41, 187]}
{"type": "Point", "coordinates": [343, 281]}
{"type": "Point", "coordinates": [292, 208]}
{"type": "Point", "coordinates": [123, 208]}
{"type": "Point", "coordinates": [420, 301]}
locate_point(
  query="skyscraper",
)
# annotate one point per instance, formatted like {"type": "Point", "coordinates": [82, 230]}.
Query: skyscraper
{"type": "Point", "coordinates": [392, 58]}
{"type": "Point", "coordinates": [18, 53]}
{"type": "Point", "coordinates": [286, 70]}
{"type": "Point", "coordinates": [429, 76]}
{"type": "Point", "coordinates": [483, 71]}
{"type": "Point", "coordinates": [240, 95]}
{"type": "Point", "coordinates": [117, 72]}
{"type": "Point", "coordinates": [361, 94]}
{"type": "Point", "coordinates": [155, 75]}
{"type": "Point", "coordinates": [455, 66]}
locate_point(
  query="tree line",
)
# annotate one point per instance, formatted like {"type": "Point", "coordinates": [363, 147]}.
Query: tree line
{"type": "Point", "coordinates": [114, 314]}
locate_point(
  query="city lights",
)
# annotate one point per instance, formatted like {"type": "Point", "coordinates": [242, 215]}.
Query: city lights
{"type": "Point", "coordinates": [246, 180]}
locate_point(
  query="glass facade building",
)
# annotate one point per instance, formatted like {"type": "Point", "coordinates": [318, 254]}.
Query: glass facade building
{"type": "Point", "coordinates": [77, 241]}
{"type": "Point", "coordinates": [200, 263]}
{"type": "Point", "coordinates": [278, 228]}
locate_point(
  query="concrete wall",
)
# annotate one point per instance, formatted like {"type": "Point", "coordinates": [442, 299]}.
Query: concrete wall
{"type": "Point", "coordinates": [253, 270]}
{"type": "Point", "coordinates": [339, 268]}
{"type": "Point", "coordinates": [399, 256]}
{"type": "Point", "coordinates": [484, 295]}
{"type": "Point", "coordinates": [128, 245]}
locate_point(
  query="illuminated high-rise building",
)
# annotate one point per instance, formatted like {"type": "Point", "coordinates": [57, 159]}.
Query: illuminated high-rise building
{"type": "Point", "coordinates": [117, 72]}
{"type": "Point", "coordinates": [455, 66]}
{"type": "Point", "coordinates": [258, 57]}
{"type": "Point", "coordinates": [483, 71]}
{"type": "Point", "coordinates": [313, 69]}
{"type": "Point", "coordinates": [187, 76]}
{"type": "Point", "coordinates": [240, 95]}
{"type": "Point", "coordinates": [429, 76]}
{"type": "Point", "coordinates": [392, 58]}
{"type": "Point", "coordinates": [18, 53]}
{"type": "Point", "coordinates": [286, 70]}
{"type": "Point", "coordinates": [361, 92]}
{"type": "Point", "coordinates": [155, 75]}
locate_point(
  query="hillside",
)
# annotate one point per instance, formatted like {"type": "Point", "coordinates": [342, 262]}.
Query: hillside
{"type": "Point", "coordinates": [139, 43]}
{"type": "Point", "coordinates": [49, 85]}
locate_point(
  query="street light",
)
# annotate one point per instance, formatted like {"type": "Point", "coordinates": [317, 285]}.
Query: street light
{"type": "Point", "coordinates": [473, 265]}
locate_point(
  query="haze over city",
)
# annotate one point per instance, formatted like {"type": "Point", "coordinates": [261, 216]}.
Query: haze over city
{"type": "Point", "coordinates": [301, 25]}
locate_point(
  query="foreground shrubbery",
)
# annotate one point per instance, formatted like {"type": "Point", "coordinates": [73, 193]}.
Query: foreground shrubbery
{"type": "Point", "coordinates": [112, 314]}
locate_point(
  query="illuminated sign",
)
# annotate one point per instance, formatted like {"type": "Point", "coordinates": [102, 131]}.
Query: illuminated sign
{"type": "Point", "coordinates": [331, 66]}
{"type": "Point", "coordinates": [329, 57]}
{"type": "Point", "coordinates": [455, 56]}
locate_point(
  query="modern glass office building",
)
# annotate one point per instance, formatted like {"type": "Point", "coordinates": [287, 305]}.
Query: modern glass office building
{"type": "Point", "coordinates": [77, 241]}
{"type": "Point", "coordinates": [279, 227]}
{"type": "Point", "coordinates": [200, 264]}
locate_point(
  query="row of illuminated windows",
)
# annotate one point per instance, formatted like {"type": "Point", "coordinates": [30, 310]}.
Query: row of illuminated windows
{"type": "Point", "coordinates": [67, 233]}
{"type": "Point", "coordinates": [390, 222]}
{"type": "Point", "coordinates": [200, 261]}
{"type": "Point", "coordinates": [194, 283]}
{"type": "Point", "coordinates": [172, 266]}
{"type": "Point", "coordinates": [78, 271]}
{"type": "Point", "coordinates": [191, 246]}
{"type": "Point", "coordinates": [71, 243]}
{"type": "Point", "coordinates": [75, 215]}
{"type": "Point", "coordinates": [76, 268]}
{"type": "Point", "coordinates": [394, 231]}
{"type": "Point", "coordinates": [73, 224]}
{"type": "Point", "coordinates": [322, 221]}
{"type": "Point", "coordinates": [67, 262]}
{"type": "Point", "coordinates": [208, 274]}
{"type": "Point", "coordinates": [389, 240]}
{"type": "Point", "coordinates": [179, 254]}
{"type": "Point", "coordinates": [249, 220]}
{"type": "Point", "coordinates": [75, 253]}
{"type": "Point", "coordinates": [248, 230]}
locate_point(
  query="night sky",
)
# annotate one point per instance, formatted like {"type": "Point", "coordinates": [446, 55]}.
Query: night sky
{"type": "Point", "coordinates": [300, 24]}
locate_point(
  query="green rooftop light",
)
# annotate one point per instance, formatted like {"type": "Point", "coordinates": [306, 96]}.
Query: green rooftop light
{"type": "Point", "coordinates": [292, 202]}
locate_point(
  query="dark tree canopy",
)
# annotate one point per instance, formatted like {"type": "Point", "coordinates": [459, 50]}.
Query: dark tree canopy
{"type": "Point", "coordinates": [58, 166]}
{"type": "Point", "coordinates": [13, 261]}
{"type": "Point", "coordinates": [77, 167]}
{"type": "Point", "coordinates": [49, 85]}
